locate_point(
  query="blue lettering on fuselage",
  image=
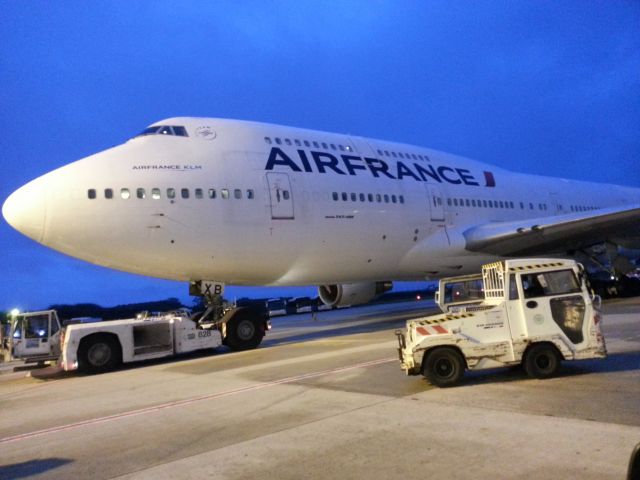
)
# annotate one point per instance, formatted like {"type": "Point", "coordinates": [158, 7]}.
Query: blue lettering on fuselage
{"type": "Point", "coordinates": [325, 162]}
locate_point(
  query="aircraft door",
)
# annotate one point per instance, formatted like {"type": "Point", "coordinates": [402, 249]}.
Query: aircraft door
{"type": "Point", "coordinates": [436, 202]}
{"type": "Point", "coordinates": [556, 206]}
{"type": "Point", "coordinates": [280, 196]}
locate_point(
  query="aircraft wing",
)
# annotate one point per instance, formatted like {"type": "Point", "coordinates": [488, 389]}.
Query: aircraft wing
{"type": "Point", "coordinates": [557, 234]}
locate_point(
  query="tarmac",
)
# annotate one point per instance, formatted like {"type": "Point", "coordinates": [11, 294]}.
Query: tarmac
{"type": "Point", "coordinates": [326, 398]}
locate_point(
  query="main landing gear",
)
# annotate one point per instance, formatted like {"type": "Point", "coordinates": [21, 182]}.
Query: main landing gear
{"type": "Point", "coordinates": [242, 328]}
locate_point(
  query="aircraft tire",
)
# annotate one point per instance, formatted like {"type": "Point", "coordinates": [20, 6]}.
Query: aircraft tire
{"type": "Point", "coordinates": [443, 367]}
{"type": "Point", "coordinates": [542, 361]}
{"type": "Point", "coordinates": [244, 331]}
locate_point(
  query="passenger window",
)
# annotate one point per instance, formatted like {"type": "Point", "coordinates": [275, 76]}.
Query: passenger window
{"type": "Point", "coordinates": [212, 193]}
{"type": "Point", "coordinates": [171, 193]}
{"type": "Point", "coordinates": [353, 197]}
{"type": "Point", "coordinates": [370, 197]}
{"type": "Point", "coordinates": [285, 194]}
{"type": "Point", "coordinates": [393, 199]}
{"type": "Point", "coordinates": [335, 196]}
{"type": "Point", "coordinates": [307, 143]}
{"type": "Point", "coordinates": [108, 193]}
{"type": "Point", "coordinates": [401, 198]}
{"type": "Point", "coordinates": [386, 198]}
{"type": "Point", "coordinates": [198, 193]}
{"type": "Point", "coordinates": [237, 193]}
{"type": "Point", "coordinates": [184, 193]}
{"type": "Point", "coordinates": [224, 193]}
{"type": "Point", "coordinates": [155, 193]}
{"type": "Point", "coordinates": [267, 140]}
{"type": "Point", "coordinates": [287, 141]}
{"type": "Point", "coordinates": [297, 142]}
{"type": "Point", "coordinates": [341, 148]}
{"type": "Point", "coordinates": [316, 144]}
{"type": "Point", "coordinates": [91, 193]}
{"type": "Point", "coordinates": [345, 197]}
{"type": "Point", "coordinates": [250, 194]}
{"type": "Point", "coordinates": [140, 193]}
{"type": "Point", "coordinates": [362, 197]}
{"type": "Point", "coordinates": [333, 147]}
{"type": "Point", "coordinates": [324, 145]}
{"type": "Point", "coordinates": [124, 193]}
{"type": "Point", "coordinates": [378, 198]}
{"type": "Point", "coordinates": [278, 141]}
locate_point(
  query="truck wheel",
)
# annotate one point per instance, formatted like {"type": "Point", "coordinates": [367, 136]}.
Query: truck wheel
{"type": "Point", "coordinates": [443, 367]}
{"type": "Point", "coordinates": [541, 361]}
{"type": "Point", "coordinates": [244, 332]}
{"type": "Point", "coordinates": [99, 353]}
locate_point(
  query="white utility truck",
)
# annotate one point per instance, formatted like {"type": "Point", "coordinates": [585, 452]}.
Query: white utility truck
{"type": "Point", "coordinates": [33, 337]}
{"type": "Point", "coordinates": [99, 347]}
{"type": "Point", "coordinates": [535, 312]}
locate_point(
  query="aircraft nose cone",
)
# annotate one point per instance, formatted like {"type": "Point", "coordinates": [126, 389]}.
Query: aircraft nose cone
{"type": "Point", "coordinates": [24, 210]}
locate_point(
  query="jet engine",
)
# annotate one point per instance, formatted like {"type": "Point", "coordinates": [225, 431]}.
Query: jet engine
{"type": "Point", "coordinates": [342, 295]}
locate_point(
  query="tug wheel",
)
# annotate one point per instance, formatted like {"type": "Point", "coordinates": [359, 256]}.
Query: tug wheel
{"type": "Point", "coordinates": [99, 353]}
{"type": "Point", "coordinates": [542, 361]}
{"type": "Point", "coordinates": [443, 367]}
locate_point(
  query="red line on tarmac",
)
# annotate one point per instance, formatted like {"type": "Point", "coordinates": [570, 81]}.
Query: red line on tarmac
{"type": "Point", "coordinates": [189, 401]}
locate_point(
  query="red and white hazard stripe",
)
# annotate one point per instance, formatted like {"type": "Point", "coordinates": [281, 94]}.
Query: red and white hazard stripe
{"type": "Point", "coordinates": [432, 330]}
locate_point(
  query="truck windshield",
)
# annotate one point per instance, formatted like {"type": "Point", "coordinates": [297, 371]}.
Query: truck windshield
{"type": "Point", "coordinates": [464, 291]}
{"type": "Point", "coordinates": [549, 283]}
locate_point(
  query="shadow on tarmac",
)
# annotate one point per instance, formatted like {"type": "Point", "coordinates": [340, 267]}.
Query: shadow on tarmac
{"type": "Point", "coordinates": [32, 467]}
{"type": "Point", "coordinates": [619, 362]}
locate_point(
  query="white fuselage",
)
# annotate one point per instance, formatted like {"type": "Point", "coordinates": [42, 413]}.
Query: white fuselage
{"type": "Point", "coordinates": [257, 204]}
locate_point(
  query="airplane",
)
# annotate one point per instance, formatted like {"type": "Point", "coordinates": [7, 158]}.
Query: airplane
{"type": "Point", "coordinates": [230, 202]}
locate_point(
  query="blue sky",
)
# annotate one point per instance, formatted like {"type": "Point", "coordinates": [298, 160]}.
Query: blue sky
{"type": "Point", "coordinates": [551, 88]}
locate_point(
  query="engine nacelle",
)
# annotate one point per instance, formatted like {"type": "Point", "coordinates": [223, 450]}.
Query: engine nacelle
{"type": "Point", "coordinates": [342, 295]}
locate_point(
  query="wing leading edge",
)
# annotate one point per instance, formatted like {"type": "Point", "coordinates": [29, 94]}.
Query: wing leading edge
{"type": "Point", "coordinates": [561, 233]}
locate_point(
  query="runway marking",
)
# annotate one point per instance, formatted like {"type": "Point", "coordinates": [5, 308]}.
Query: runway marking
{"type": "Point", "coordinates": [189, 401]}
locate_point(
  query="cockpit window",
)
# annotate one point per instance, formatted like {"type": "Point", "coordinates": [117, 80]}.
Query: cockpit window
{"type": "Point", "coordinates": [175, 130]}
{"type": "Point", "coordinates": [149, 131]}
